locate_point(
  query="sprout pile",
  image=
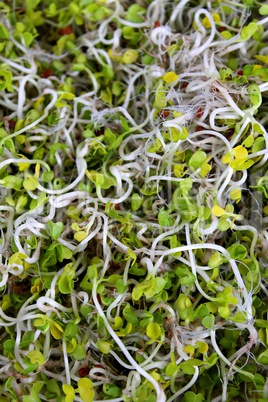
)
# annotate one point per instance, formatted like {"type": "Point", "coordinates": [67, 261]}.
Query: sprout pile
{"type": "Point", "coordinates": [134, 200]}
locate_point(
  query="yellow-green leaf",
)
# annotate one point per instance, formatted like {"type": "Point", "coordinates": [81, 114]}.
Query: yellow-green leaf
{"type": "Point", "coordinates": [130, 56]}
{"type": "Point", "coordinates": [56, 330]}
{"type": "Point", "coordinates": [153, 330]}
{"type": "Point", "coordinates": [240, 152]}
{"type": "Point", "coordinates": [30, 184]}
{"type": "Point", "coordinates": [262, 58]}
{"type": "Point", "coordinates": [236, 194]}
{"type": "Point", "coordinates": [69, 392]}
{"type": "Point", "coordinates": [226, 158]}
{"type": "Point", "coordinates": [104, 346]}
{"type": "Point", "coordinates": [79, 236]}
{"type": "Point", "coordinates": [71, 345]}
{"type": "Point", "coordinates": [36, 357]}
{"type": "Point", "coordinates": [170, 77]}
{"type": "Point", "coordinates": [17, 258]}
{"type": "Point", "coordinates": [85, 389]}
{"type": "Point", "coordinates": [218, 211]}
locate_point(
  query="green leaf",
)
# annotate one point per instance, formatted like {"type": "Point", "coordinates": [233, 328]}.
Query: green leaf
{"type": "Point", "coordinates": [120, 285]}
{"type": "Point", "coordinates": [263, 358]}
{"type": "Point", "coordinates": [186, 277]}
{"type": "Point", "coordinates": [136, 202]}
{"type": "Point", "coordinates": [186, 185]}
{"type": "Point", "coordinates": [124, 331]}
{"type": "Point", "coordinates": [183, 302]}
{"type": "Point", "coordinates": [6, 80]}
{"type": "Point", "coordinates": [263, 10]}
{"type": "Point", "coordinates": [197, 159]}
{"type": "Point", "coordinates": [160, 101]}
{"type": "Point", "coordinates": [164, 219]}
{"type": "Point", "coordinates": [255, 96]}
{"type": "Point", "coordinates": [135, 12]}
{"type": "Point", "coordinates": [36, 357]}
{"type": "Point", "coordinates": [70, 330]}
{"type": "Point", "coordinates": [188, 365]}
{"type": "Point", "coordinates": [14, 182]}
{"type": "Point", "coordinates": [208, 321]}
{"type": "Point", "coordinates": [258, 144]}
{"type": "Point", "coordinates": [66, 283]}
{"type": "Point", "coordinates": [33, 397]}
{"type": "Point", "coordinates": [237, 252]}
{"type": "Point", "coordinates": [55, 229]}
{"type": "Point", "coordinates": [104, 346]}
{"type": "Point", "coordinates": [63, 252]}
{"type": "Point", "coordinates": [190, 396]}
{"type": "Point", "coordinates": [223, 224]}
{"type": "Point", "coordinates": [130, 315]}
{"type": "Point", "coordinates": [4, 34]}
{"type": "Point", "coordinates": [65, 96]}
{"type": "Point", "coordinates": [224, 312]}
{"type": "Point", "coordinates": [248, 30]}
{"type": "Point", "coordinates": [79, 353]}
{"type": "Point", "coordinates": [147, 59]}
{"type": "Point", "coordinates": [21, 203]}
{"type": "Point", "coordinates": [226, 297]}
{"type": "Point", "coordinates": [215, 260]}
{"type": "Point", "coordinates": [130, 56]}
{"type": "Point", "coordinates": [202, 311]}
{"type": "Point", "coordinates": [225, 73]}
{"type": "Point", "coordinates": [30, 184]}
{"type": "Point", "coordinates": [53, 389]}
{"type": "Point", "coordinates": [30, 368]}
{"type": "Point", "coordinates": [31, 116]}
{"type": "Point", "coordinates": [41, 323]}
{"type": "Point", "coordinates": [111, 390]}
{"type": "Point", "coordinates": [137, 271]}
{"type": "Point", "coordinates": [153, 330]}
{"type": "Point", "coordinates": [9, 345]}
{"type": "Point", "coordinates": [101, 180]}
{"type": "Point", "coordinates": [144, 393]}
{"type": "Point", "coordinates": [211, 360]}
{"type": "Point", "coordinates": [47, 177]}
{"type": "Point", "coordinates": [261, 323]}
{"type": "Point", "coordinates": [28, 38]}
{"type": "Point", "coordinates": [31, 4]}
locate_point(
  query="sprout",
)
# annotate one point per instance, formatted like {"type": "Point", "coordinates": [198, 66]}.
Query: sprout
{"type": "Point", "coordinates": [133, 183]}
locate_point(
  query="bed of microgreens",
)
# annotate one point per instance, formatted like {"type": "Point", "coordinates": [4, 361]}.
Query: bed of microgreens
{"type": "Point", "coordinates": [133, 214]}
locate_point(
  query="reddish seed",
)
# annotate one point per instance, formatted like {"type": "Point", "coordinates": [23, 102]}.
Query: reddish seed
{"type": "Point", "coordinates": [98, 366]}
{"type": "Point", "coordinates": [214, 90]}
{"type": "Point", "coordinates": [98, 131]}
{"type": "Point", "coordinates": [184, 85]}
{"type": "Point", "coordinates": [164, 113]}
{"type": "Point", "coordinates": [46, 73]}
{"type": "Point", "coordinates": [83, 371]}
{"type": "Point", "coordinates": [199, 128]}
{"type": "Point", "coordinates": [199, 113]}
{"type": "Point", "coordinates": [221, 29]}
{"type": "Point", "coordinates": [11, 124]}
{"type": "Point", "coordinates": [239, 72]}
{"type": "Point", "coordinates": [229, 134]}
{"type": "Point", "coordinates": [65, 31]}
{"type": "Point", "coordinates": [157, 24]}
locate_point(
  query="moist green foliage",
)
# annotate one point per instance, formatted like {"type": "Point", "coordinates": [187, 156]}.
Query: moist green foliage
{"type": "Point", "coordinates": [134, 201]}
